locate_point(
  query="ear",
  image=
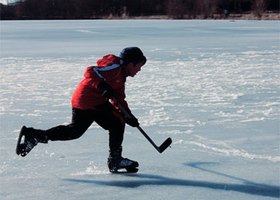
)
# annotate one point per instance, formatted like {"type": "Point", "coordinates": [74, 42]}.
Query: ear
{"type": "Point", "coordinates": [130, 65]}
{"type": "Point", "coordinates": [128, 68]}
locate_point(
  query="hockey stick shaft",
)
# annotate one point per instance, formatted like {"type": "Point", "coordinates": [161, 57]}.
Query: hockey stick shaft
{"type": "Point", "coordinates": [148, 138]}
{"type": "Point", "coordinates": [160, 148]}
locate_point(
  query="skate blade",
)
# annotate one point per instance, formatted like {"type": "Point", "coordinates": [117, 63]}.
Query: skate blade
{"type": "Point", "coordinates": [21, 147]}
{"type": "Point", "coordinates": [132, 170]}
{"type": "Point", "coordinates": [124, 171]}
{"type": "Point", "coordinates": [22, 150]}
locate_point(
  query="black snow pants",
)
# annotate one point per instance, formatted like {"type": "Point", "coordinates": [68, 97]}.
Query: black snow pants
{"type": "Point", "coordinates": [105, 116]}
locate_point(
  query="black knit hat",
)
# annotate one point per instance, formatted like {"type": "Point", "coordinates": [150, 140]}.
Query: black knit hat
{"type": "Point", "coordinates": [132, 54]}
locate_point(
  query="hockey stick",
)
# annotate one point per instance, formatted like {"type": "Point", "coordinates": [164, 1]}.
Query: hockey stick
{"type": "Point", "coordinates": [160, 148]}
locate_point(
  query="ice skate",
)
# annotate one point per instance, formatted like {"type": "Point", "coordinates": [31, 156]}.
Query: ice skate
{"type": "Point", "coordinates": [116, 163]}
{"type": "Point", "coordinates": [28, 139]}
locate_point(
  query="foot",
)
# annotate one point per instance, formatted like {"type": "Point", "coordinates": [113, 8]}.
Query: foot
{"type": "Point", "coordinates": [28, 139]}
{"type": "Point", "coordinates": [116, 164]}
{"type": "Point", "coordinates": [25, 142]}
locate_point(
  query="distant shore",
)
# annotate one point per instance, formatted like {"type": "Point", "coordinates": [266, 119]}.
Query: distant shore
{"type": "Point", "coordinates": [249, 16]}
{"type": "Point", "coordinates": [246, 16]}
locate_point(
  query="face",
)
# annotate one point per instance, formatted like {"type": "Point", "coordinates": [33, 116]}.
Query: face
{"type": "Point", "coordinates": [133, 69]}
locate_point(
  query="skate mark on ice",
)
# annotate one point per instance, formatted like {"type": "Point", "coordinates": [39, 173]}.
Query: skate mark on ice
{"type": "Point", "coordinates": [221, 147]}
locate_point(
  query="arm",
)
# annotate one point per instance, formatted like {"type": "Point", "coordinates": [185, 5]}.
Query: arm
{"type": "Point", "coordinates": [105, 89]}
{"type": "Point", "coordinates": [119, 95]}
{"type": "Point", "coordinates": [130, 119]}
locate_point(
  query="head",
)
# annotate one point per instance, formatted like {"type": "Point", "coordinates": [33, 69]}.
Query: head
{"type": "Point", "coordinates": [133, 59]}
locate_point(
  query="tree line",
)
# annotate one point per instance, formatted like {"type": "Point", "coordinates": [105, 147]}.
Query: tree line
{"type": "Point", "coordinates": [94, 9]}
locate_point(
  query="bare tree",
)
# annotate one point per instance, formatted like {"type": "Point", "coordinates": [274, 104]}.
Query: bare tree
{"type": "Point", "coordinates": [259, 6]}
{"type": "Point", "coordinates": [206, 7]}
{"type": "Point", "coordinates": [176, 9]}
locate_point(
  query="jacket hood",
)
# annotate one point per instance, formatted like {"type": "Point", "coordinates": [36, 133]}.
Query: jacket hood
{"type": "Point", "coordinates": [107, 63]}
{"type": "Point", "coordinates": [108, 60]}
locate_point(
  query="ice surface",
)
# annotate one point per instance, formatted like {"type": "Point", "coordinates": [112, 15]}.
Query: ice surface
{"type": "Point", "coordinates": [213, 86]}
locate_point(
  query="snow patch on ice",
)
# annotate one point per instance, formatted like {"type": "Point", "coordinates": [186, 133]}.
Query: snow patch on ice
{"type": "Point", "coordinates": [92, 170]}
{"type": "Point", "coordinates": [225, 149]}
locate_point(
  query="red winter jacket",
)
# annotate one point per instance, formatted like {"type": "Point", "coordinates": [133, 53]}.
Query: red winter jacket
{"type": "Point", "coordinates": [87, 96]}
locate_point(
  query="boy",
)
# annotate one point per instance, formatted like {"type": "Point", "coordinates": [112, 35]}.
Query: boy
{"type": "Point", "coordinates": [90, 103]}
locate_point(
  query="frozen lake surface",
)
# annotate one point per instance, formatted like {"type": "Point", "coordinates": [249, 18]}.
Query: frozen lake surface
{"type": "Point", "coordinates": [212, 86]}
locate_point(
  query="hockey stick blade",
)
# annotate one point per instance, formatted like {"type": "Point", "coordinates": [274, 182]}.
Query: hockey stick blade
{"type": "Point", "coordinates": [165, 144]}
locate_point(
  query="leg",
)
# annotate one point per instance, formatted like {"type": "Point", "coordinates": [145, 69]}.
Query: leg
{"type": "Point", "coordinates": [111, 120]}
{"type": "Point", "coordinates": [81, 120]}
{"type": "Point", "coordinates": [30, 137]}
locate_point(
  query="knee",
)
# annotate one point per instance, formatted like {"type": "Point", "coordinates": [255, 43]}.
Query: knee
{"type": "Point", "coordinates": [76, 134]}
{"type": "Point", "coordinates": [118, 126]}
